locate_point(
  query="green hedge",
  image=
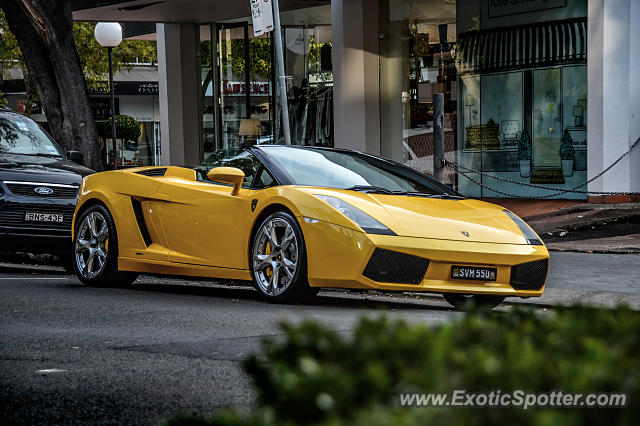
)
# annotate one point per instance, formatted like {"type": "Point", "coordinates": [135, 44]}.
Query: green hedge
{"type": "Point", "coordinates": [318, 376]}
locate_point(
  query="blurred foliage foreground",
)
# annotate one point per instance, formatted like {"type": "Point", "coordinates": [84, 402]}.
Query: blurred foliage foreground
{"type": "Point", "coordinates": [317, 376]}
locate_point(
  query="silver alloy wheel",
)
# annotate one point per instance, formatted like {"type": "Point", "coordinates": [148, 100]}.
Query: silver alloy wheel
{"type": "Point", "coordinates": [275, 256]}
{"type": "Point", "coordinates": [91, 247]}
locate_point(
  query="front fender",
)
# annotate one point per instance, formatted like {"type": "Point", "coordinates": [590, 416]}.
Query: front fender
{"type": "Point", "coordinates": [303, 204]}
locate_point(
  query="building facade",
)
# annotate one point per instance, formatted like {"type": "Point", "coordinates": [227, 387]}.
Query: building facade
{"type": "Point", "coordinates": [539, 96]}
{"type": "Point", "coordinates": [136, 95]}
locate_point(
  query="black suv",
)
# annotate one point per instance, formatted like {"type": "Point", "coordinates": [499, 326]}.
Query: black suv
{"type": "Point", "coordinates": [38, 188]}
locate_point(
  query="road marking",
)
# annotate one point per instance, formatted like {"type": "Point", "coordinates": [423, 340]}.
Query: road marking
{"type": "Point", "coordinates": [51, 370]}
{"type": "Point", "coordinates": [35, 278]}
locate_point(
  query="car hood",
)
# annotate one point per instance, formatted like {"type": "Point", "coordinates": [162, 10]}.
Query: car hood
{"type": "Point", "coordinates": [41, 169]}
{"type": "Point", "coordinates": [423, 217]}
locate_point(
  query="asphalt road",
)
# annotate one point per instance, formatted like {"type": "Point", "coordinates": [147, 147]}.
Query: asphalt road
{"type": "Point", "coordinates": [141, 355]}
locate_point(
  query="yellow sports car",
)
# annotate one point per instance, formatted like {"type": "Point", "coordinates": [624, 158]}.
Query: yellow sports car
{"type": "Point", "coordinates": [294, 219]}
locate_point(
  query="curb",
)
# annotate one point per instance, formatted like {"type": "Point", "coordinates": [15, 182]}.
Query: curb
{"type": "Point", "coordinates": [619, 250]}
{"type": "Point", "coordinates": [582, 208]}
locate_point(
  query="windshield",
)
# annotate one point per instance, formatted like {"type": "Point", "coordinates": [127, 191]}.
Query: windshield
{"type": "Point", "coordinates": [351, 170]}
{"type": "Point", "coordinates": [22, 136]}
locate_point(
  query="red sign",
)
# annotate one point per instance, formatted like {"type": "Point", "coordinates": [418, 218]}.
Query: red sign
{"type": "Point", "coordinates": [236, 88]}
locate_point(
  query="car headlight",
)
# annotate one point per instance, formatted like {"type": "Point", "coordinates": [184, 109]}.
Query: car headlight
{"type": "Point", "coordinates": [363, 220]}
{"type": "Point", "coordinates": [529, 234]}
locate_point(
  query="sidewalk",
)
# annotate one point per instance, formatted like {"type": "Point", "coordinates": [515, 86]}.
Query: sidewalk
{"type": "Point", "coordinates": [567, 225]}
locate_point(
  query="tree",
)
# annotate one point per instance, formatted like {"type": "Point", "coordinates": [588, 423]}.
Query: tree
{"type": "Point", "coordinates": [93, 57]}
{"type": "Point", "coordinates": [92, 61]}
{"type": "Point", "coordinates": [10, 54]}
{"type": "Point", "coordinates": [44, 32]}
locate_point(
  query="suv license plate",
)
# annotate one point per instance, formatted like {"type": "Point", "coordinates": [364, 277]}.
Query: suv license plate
{"type": "Point", "coordinates": [473, 273]}
{"type": "Point", "coordinates": [43, 217]}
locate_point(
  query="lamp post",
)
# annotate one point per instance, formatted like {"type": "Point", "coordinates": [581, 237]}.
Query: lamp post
{"type": "Point", "coordinates": [109, 35]}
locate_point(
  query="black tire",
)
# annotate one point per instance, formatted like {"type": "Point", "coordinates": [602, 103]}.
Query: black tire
{"type": "Point", "coordinates": [107, 273]}
{"type": "Point", "coordinates": [463, 302]}
{"type": "Point", "coordinates": [295, 286]}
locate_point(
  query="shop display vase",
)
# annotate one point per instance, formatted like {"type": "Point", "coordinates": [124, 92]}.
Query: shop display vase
{"type": "Point", "coordinates": [525, 168]}
{"type": "Point", "coordinates": [567, 167]}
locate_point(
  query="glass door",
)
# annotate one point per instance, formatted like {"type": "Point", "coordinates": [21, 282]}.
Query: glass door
{"type": "Point", "coordinates": [547, 126]}
{"type": "Point", "coordinates": [208, 95]}
{"type": "Point", "coordinates": [261, 77]}
{"type": "Point", "coordinates": [244, 75]}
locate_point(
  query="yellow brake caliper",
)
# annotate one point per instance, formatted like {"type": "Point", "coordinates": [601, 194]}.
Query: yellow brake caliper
{"type": "Point", "coordinates": [267, 250]}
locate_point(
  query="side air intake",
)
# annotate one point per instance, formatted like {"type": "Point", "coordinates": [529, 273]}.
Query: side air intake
{"type": "Point", "coordinates": [388, 266]}
{"type": "Point", "coordinates": [142, 225]}
{"type": "Point", "coordinates": [153, 172]}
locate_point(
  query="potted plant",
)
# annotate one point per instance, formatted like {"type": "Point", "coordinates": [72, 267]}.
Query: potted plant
{"type": "Point", "coordinates": [567, 154]}
{"type": "Point", "coordinates": [524, 154]}
{"type": "Point", "coordinates": [127, 128]}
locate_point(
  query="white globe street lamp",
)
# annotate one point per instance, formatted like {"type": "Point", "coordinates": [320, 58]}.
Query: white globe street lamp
{"type": "Point", "coordinates": [109, 35]}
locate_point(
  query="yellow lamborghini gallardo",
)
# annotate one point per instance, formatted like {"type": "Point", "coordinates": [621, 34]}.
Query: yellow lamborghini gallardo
{"type": "Point", "coordinates": [296, 219]}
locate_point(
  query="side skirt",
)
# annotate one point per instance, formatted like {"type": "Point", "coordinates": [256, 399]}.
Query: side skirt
{"type": "Point", "coordinates": [168, 268]}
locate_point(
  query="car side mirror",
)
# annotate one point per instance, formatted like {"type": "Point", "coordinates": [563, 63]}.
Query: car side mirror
{"type": "Point", "coordinates": [76, 157]}
{"type": "Point", "coordinates": [231, 175]}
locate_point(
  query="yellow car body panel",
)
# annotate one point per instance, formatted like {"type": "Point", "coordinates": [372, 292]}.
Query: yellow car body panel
{"type": "Point", "coordinates": [199, 229]}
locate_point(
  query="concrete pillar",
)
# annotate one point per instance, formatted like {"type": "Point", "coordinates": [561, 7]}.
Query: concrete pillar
{"type": "Point", "coordinates": [394, 51]}
{"type": "Point", "coordinates": [179, 90]}
{"type": "Point", "coordinates": [613, 105]}
{"type": "Point", "coordinates": [634, 94]}
{"type": "Point", "coordinates": [355, 75]}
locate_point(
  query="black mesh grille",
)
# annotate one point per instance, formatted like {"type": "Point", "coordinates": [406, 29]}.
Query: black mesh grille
{"type": "Point", "coordinates": [388, 266]}
{"type": "Point", "coordinates": [29, 190]}
{"type": "Point", "coordinates": [13, 216]}
{"type": "Point", "coordinates": [530, 275]}
{"type": "Point", "coordinates": [153, 172]}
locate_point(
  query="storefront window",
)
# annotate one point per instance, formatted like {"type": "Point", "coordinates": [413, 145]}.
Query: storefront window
{"type": "Point", "coordinates": [417, 48]}
{"type": "Point", "coordinates": [139, 101]}
{"type": "Point", "coordinates": [239, 83]}
{"type": "Point", "coordinates": [514, 81]}
{"type": "Point", "coordinates": [308, 66]}
{"type": "Point", "coordinates": [236, 98]}
{"type": "Point", "coordinates": [523, 68]}
{"type": "Point", "coordinates": [309, 78]}
{"type": "Point", "coordinates": [245, 91]}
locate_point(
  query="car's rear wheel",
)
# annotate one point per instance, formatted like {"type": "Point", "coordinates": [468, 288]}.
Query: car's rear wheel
{"type": "Point", "coordinates": [278, 260]}
{"type": "Point", "coordinates": [466, 301]}
{"type": "Point", "coordinates": [95, 250]}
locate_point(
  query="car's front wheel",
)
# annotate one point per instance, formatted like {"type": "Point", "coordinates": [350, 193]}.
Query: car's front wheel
{"type": "Point", "coordinates": [95, 250]}
{"type": "Point", "coordinates": [278, 260]}
{"type": "Point", "coordinates": [466, 301]}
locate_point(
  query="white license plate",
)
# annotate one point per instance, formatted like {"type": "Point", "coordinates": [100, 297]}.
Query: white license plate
{"type": "Point", "coordinates": [473, 273]}
{"type": "Point", "coordinates": [43, 217]}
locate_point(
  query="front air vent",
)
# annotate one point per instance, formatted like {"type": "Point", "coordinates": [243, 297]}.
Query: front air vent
{"type": "Point", "coordinates": [142, 225]}
{"type": "Point", "coordinates": [153, 172]}
{"type": "Point", "coordinates": [530, 275]}
{"type": "Point", "coordinates": [42, 190]}
{"type": "Point", "coordinates": [388, 266]}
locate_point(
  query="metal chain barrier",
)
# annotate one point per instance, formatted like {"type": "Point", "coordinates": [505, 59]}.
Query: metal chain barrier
{"type": "Point", "coordinates": [463, 170]}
